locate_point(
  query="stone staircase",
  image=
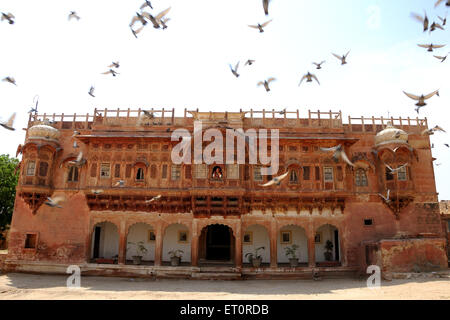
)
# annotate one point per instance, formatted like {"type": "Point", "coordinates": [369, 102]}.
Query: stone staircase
{"type": "Point", "coordinates": [217, 273]}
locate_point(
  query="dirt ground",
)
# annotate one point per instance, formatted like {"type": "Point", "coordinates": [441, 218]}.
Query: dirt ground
{"type": "Point", "coordinates": [15, 286]}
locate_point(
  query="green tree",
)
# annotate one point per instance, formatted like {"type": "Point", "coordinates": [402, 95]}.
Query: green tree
{"type": "Point", "coordinates": [8, 182]}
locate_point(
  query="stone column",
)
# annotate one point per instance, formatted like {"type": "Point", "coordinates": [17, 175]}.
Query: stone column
{"type": "Point", "coordinates": [311, 246]}
{"type": "Point", "coordinates": [122, 243]}
{"type": "Point", "coordinates": [238, 245]}
{"type": "Point", "coordinates": [273, 243]}
{"type": "Point", "coordinates": [194, 244]}
{"type": "Point", "coordinates": [158, 243]}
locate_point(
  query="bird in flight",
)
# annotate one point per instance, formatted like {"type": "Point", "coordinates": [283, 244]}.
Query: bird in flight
{"type": "Point", "coordinates": [435, 26]}
{"type": "Point", "coordinates": [276, 180]}
{"type": "Point", "coordinates": [431, 46]}
{"type": "Point", "coordinates": [164, 23]}
{"type": "Point", "coordinates": [444, 20]}
{"type": "Point", "coordinates": [156, 21]}
{"type": "Point", "coordinates": [234, 71]}
{"type": "Point", "coordinates": [54, 202]}
{"type": "Point", "coordinates": [148, 114]}
{"type": "Point", "coordinates": [75, 145]}
{"type": "Point", "coordinates": [343, 58]}
{"type": "Point", "coordinates": [73, 15]}
{"type": "Point", "coordinates": [111, 71]}
{"type": "Point", "coordinates": [8, 17]}
{"type": "Point", "coordinates": [424, 20]}
{"type": "Point", "coordinates": [438, 2]}
{"type": "Point", "coordinates": [266, 6]}
{"type": "Point", "coordinates": [91, 91]}
{"type": "Point", "coordinates": [338, 153]}
{"type": "Point", "coordinates": [99, 191]}
{"type": "Point", "coordinates": [249, 62]}
{"type": "Point", "coordinates": [422, 98]}
{"type": "Point", "coordinates": [119, 183]}
{"type": "Point", "coordinates": [309, 76]}
{"type": "Point", "coordinates": [385, 198]}
{"type": "Point", "coordinates": [395, 170]}
{"type": "Point", "coordinates": [260, 26]}
{"type": "Point", "coordinates": [431, 131]}
{"type": "Point", "coordinates": [265, 83]}
{"type": "Point", "coordinates": [318, 65]}
{"type": "Point", "coordinates": [135, 32]}
{"type": "Point", "coordinates": [10, 80]}
{"type": "Point", "coordinates": [146, 4]}
{"type": "Point", "coordinates": [441, 58]}
{"type": "Point", "coordinates": [138, 17]}
{"type": "Point", "coordinates": [153, 199]}
{"type": "Point", "coordinates": [79, 161]}
{"type": "Point", "coordinates": [114, 65]}
{"type": "Point", "coordinates": [9, 124]}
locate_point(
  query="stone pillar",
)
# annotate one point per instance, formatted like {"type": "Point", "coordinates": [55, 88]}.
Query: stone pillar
{"type": "Point", "coordinates": [194, 244]}
{"type": "Point", "coordinates": [238, 245]}
{"type": "Point", "coordinates": [311, 246]}
{"type": "Point", "coordinates": [273, 243]}
{"type": "Point", "coordinates": [158, 244]}
{"type": "Point", "coordinates": [122, 243]}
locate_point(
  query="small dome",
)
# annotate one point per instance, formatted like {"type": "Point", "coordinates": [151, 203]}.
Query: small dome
{"type": "Point", "coordinates": [391, 135]}
{"type": "Point", "coordinates": [45, 132]}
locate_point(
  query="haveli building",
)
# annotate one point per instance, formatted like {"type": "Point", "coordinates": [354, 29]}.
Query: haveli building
{"type": "Point", "coordinates": [218, 213]}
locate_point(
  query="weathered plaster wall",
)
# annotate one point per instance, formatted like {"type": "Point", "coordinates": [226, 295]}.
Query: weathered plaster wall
{"type": "Point", "coordinates": [299, 238]}
{"type": "Point", "coordinates": [139, 232]}
{"type": "Point", "coordinates": [170, 242]}
{"type": "Point", "coordinates": [260, 239]}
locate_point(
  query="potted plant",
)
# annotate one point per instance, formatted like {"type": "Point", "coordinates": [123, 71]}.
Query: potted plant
{"type": "Point", "coordinates": [175, 257]}
{"type": "Point", "coordinates": [254, 258]}
{"type": "Point", "coordinates": [140, 251]}
{"type": "Point", "coordinates": [291, 254]}
{"type": "Point", "coordinates": [328, 253]}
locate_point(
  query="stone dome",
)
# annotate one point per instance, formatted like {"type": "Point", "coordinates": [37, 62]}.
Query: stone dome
{"type": "Point", "coordinates": [388, 135]}
{"type": "Point", "coordinates": [45, 132]}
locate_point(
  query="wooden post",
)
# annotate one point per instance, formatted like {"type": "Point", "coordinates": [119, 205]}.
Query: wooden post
{"type": "Point", "coordinates": [362, 124]}
{"type": "Point", "coordinates": [194, 244]}
{"type": "Point", "coordinates": [158, 244]}
{"type": "Point", "coordinates": [122, 243]}
{"type": "Point", "coordinates": [350, 124]}
{"type": "Point", "coordinates": [273, 243]}
{"type": "Point", "coordinates": [311, 246]}
{"type": "Point", "coordinates": [238, 245]}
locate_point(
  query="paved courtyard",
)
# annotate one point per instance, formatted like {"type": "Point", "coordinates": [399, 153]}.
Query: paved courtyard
{"type": "Point", "coordinates": [35, 287]}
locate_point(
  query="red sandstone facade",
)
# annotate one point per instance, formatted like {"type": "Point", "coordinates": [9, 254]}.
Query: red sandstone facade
{"type": "Point", "coordinates": [216, 221]}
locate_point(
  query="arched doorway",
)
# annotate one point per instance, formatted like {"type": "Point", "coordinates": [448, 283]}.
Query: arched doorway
{"type": "Point", "coordinates": [327, 234]}
{"type": "Point", "coordinates": [177, 238]}
{"type": "Point", "coordinates": [288, 236]}
{"type": "Point", "coordinates": [105, 243]}
{"type": "Point", "coordinates": [216, 244]}
{"type": "Point", "coordinates": [256, 236]}
{"type": "Point", "coordinates": [144, 233]}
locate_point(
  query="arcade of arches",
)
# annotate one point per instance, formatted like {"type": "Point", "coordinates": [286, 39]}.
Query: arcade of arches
{"type": "Point", "coordinates": [214, 243]}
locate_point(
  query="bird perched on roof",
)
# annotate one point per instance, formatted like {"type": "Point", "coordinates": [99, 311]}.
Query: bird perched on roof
{"type": "Point", "coordinates": [441, 58]}
{"type": "Point", "coordinates": [260, 26]}
{"type": "Point", "coordinates": [111, 71]}
{"type": "Point", "coordinates": [114, 65]}
{"type": "Point", "coordinates": [397, 169]}
{"type": "Point", "coordinates": [79, 160]}
{"type": "Point", "coordinates": [386, 198]}
{"type": "Point", "coordinates": [266, 6]}
{"type": "Point", "coordinates": [276, 180]}
{"type": "Point", "coordinates": [309, 76]}
{"type": "Point", "coordinates": [54, 202]}
{"type": "Point", "coordinates": [10, 80]}
{"type": "Point", "coordinates": [146, 4]}
{"type": "Point", "coordinates": [91, 91]}
{"type": "Point", "coordinates": [73, 15]}
{"type": "Point", "coordinates": [431, 46]}
{"type": "Point", "coordinates": [266, 83]}
{"type": "Point", "coordinates": [153, 199]}
{"type": "Point", "coordinates": [9, 124]}
{"type": "Point", "coordinates": [422, 98]}
{"type": "Point", "coordinates": [319, 65]}
{"type": "Point", "coordinates": [343, 58]}
{"type": "Point", "coordinates": [234, 71]}
{"type": "Point", "coordinates": [156, 20]}
{"type": "Point", "coordinates": [8, 17]}
{"type": "Point", "coordinates": [424, 20]}
{"type": "Point", "coordinates": [431, 131]}
{"type": "Point", "coordinates": [438, 2]}
{"type": "Point", "coordinates": [249, 62]}
{"type": "Point", "coordinates": [338, 153]}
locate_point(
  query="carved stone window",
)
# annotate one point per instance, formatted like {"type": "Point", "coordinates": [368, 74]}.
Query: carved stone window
{"type": "Point", "coordinates": [176, 172]}
{"type": "Point", "coordinates": [43, 169]}
{"type": "Point", "coordinates": [361, 178]}
{"type": "Point", "coordinates": [232, 171]}
{"type": "Point", "coordinates": [200, 171]}
{"type": "Point", "coordinates": [140, 174]}
{"type": "Point", "coordinates": [105, 170]}
{"type": "Point", "coordinates": [402, 174]}
{"type": "Point", "coordinates": [117, 170]}
{"type": "Point", "coordinates": [317, 169]}
{"type": "Point", "coordinates": [73, 174]}
{"type": "Point", "coordinates": [389, 175]}
{"type": "Point", "coordinates": [257, 173]}
{"type": "Point", "coordinates": [328, 174]}
{"type": "Point", "coordinates": [306, 173]}
{"type": "Point", "coordinates": [31, 168]}
{"type": "Point", "coordinates": [293, 176]}
{"type": "Point", "coordinates": [164, 171]}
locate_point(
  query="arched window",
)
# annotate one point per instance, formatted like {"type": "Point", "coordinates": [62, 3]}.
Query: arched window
{"type": "Point", "coordinates": [140, 174]}
{"type": "Point", "coordinates": [73, 174]}
{"type": "Point", "coordinates": [361, 178]}
{"type": "Point", "coordinates": [217, 173]}
{"type": "Point", "coordinates": [293, 177]}
{"type": "Point", "coordinates": [43, 168]}
{"type": "Point", "coordinates": [389, 175]}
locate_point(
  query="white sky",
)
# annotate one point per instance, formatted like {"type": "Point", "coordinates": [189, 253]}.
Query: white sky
{"type": "Point", "coordinates": [186, 65]}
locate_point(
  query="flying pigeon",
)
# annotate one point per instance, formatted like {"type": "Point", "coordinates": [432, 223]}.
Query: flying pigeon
{"type": "Point", "coordinates": [385, 198]}
{"type": "Point", "coordinates": [73, 15]}
{"type": "Point", "coordinates": [276, 180]}
{"type": "Point", "coordinates": [135, 32]}
{"type": "Point", "coordinates": [431, 46]}
{"type": "Point", "coordinates": [308, 76]}
{"type": "Point", "coordinates": [114, 65]}
{"type": "Point", "coordinates": [9, 124]}
{"type": "Point", "coordinates": [441, 58]}
{"type": "Point", "coordinates": [438, 2]}
{"type": "Point", "coordinates": [260, 26]}
{"type": "Point", "coordinates": [156, 21]}
{"type": "Point", "coordinates": [9, 17]}
{"type": "Point", "coordinates": [234, 71]}
{"type": "Point", "coordinates": [10, 80]}
{"type": "Point", "coordinates": [153, 199]}
{"type": "Point", "coordinates": [424, 20]}
{"type": "Point", "coordinates": [55, 202]}
{"type": "Point", "coordinates": [266, 7]}
{"type": "Point", "coordinates": [397, 169]}
{"type": "Point", "coordinates": [266, 83]}
{"type": "Point", "coordinates": [338, 152]}
{"type": "Point", "coordinates": [319, 65]}
{"type": "Point", "coordinates": [146, 4]}
{"type": "Point", "coordinates": [343, 58]}
{"type": "Point", "coordinates": [431, 131]}
{"type": "Point", "coordinates": [111, 71]}
{"type": "Point", "coordinates": [422, 98]}
{"type": "Point", "coordinates": [249, 62]}
{"type": "Point", "coordinates": [79, 161]}
{"type": "Point", "coordinates": [91, 91]}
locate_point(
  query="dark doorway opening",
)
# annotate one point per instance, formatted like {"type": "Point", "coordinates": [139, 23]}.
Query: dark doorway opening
{"type": "Point", "coordinates": [218, 243]}
{"type": "Point", "coordinates": [336, 246]}
{"type": "Point", "coordinates": [97, 242]}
